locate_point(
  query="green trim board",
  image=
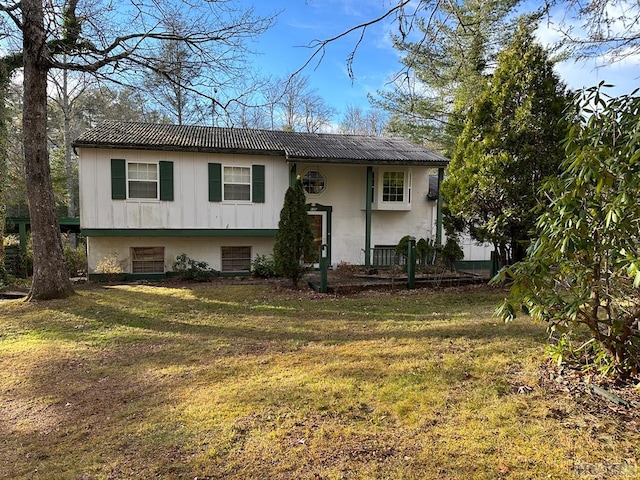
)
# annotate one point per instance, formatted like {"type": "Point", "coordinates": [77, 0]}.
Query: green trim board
{"type": "Point", "coordinates": [257, 184]}
{"type": "Point", "coordinates": [185, 232]}
{"type": "Point", "coordinates": [439, 208]}
{"type": "Point", "coordinates": [118, 179]}
{"type": "Point", "coordinates": [166, 180]}
{"type": "Point", "coordinates": [367, 228]}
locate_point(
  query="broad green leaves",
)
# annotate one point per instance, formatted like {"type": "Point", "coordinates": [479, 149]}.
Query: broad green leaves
{"type": "Point", "coordinates": [584, 266]}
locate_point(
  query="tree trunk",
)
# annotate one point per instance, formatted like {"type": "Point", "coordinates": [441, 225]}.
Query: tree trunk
{"type": "Point", "coordinates": [50, 278]}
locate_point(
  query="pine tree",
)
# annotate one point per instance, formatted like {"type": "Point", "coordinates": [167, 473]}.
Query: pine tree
{"type": "Point", "coordinates": [510, 143]}
{"type": "Point", "coordinates": [294, 239]}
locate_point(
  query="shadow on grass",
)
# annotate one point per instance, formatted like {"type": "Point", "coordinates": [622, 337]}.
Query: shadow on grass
{"type": "Point", "coordinates": [285, 320]}
{"type": "Point", "coordinates": [109, 399]}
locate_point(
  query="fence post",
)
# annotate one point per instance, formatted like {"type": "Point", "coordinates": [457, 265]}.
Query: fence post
{"type": "Point", "coordinates": [411, 263]}
{"type": "Point", "coordinates": [324, 267]}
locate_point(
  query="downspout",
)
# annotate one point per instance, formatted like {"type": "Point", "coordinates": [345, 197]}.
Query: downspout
{"type": "Point", "coordinates": [367, 233]}
{"type": "Point", "coordinates": [439, 208]}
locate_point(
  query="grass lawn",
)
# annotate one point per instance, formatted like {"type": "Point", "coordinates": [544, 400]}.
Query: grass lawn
{"type": "Point", "coordinates": [251, 381]}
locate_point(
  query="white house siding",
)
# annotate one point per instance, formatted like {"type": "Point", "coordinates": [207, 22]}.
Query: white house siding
{"type": "Point", "coordinates": [475, 251]}
{"type": "Point", "coordinates": [191, 207]}
{"type": "Point", "coordinates": [345, 193]}
{"type": "Point", "coordinates": [203, 249]}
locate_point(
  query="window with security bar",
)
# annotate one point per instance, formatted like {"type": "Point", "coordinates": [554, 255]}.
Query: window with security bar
{"type": "Point", "coordinates": [147, 259]}
{"type": "Point", "coordinates": [236, 259]}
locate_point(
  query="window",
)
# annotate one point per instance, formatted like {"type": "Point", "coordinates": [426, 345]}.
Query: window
{"type": "Point", "coordinates": [313, 182]}
{"type": "Point", "coordinates": [142, 180]}
{"type": "Point", "coordinates": [393, 187]}
{"type": "Point", "coordinates": [147, 260]}
{"type": "Point", "coordinates": [237, 183]}
{"type": "Point", "coordinates": [236, 259]}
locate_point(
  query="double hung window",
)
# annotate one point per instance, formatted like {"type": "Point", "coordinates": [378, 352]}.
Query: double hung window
{"type": "Point", "coordinates": [142, 179]}
{"type": "Point", "coordinates": [393, 187]}
{"type": "Point", "coordinates": [237, 183]}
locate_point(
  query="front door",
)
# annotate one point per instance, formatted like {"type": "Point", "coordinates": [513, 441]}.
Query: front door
{"type": "Point", "coordinates": [318, 221]}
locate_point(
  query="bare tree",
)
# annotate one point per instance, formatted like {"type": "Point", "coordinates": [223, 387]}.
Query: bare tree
{"type": "Point", "coordinates": [104, 38]}
{"type": "Point", "coordinates": [299, 106]}
{"type": "Point", "coordinates": [605, 29]}
{"type": "Point", "coordinates": [356, 121]}
{"type": "Point", "coordinates": [68, 90]}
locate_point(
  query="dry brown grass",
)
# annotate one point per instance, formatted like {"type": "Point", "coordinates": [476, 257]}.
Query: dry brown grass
{"type": "Point", "coordinates": [249, 381]}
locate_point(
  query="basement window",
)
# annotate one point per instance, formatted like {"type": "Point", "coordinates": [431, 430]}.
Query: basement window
{"type": "Point", "coordinates": [147, 259]}
{"type": "Point", "coordinates": [236, 259]}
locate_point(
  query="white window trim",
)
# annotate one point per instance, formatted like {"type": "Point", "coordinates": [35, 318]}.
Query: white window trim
{"type": "Point", "coordinates": [144, 199]}
{"type": "Point", "coordinates": [379, 203]}
{"type": "Point", "coordinates": [250, 168]}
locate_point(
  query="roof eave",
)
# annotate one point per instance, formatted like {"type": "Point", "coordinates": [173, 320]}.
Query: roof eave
{"type": "Point", "coordinates": [177, 148]}
{"type": "Point", "coordinates": [369, 161]}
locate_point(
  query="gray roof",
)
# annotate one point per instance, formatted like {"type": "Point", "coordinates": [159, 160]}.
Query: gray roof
{"type": "Point", "coordinates": [296, 146]}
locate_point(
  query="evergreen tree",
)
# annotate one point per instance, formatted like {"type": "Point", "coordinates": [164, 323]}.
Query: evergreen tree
{"type": "Point", "coordinates": [510, 143]}
{"type": "Point", "coordinates": [294, 240]}
{"type": "Point", "coordinates": [445, 69]}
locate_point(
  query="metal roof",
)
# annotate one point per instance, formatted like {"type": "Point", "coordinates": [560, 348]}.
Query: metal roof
{"type": "Point", "coordinates": [297, 146]}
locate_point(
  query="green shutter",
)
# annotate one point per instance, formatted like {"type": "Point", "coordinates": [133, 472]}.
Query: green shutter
{"type": "Point", "coordinates": [118, 179]}
{"type": "Point", "coordinates": [166, 181]}
{"type": "Point", "coordinates": [215, 182]}
{"type": "Point", "coordinates": [257, 183]}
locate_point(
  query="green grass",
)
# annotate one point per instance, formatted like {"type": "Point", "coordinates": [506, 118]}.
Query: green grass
{"type": "Point", "coordinates": [245, 381]}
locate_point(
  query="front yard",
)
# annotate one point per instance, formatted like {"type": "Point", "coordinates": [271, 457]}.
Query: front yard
{"type": "Point", "coordinates": [257, 381]}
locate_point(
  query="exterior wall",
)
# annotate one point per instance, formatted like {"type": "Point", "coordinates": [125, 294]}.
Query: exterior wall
{"type": "Point", "coordinates": [345, 192]}
{"type": "Point", "coordinates": [475, 251]}
{"type": "Point", "coordinates": [204, 249]}
{"type": "Point", "coordinates": [191, 207]}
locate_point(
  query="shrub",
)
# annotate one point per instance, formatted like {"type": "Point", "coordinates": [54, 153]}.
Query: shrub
{"type": "Point", "coordinates": [189, 269]}
{"type": "Point", "coordinates": [294, 240]}
{"type": "Point", "coordinates": [109, 266]}
{"type": "Point", "coordinates": [424, 250]}
{"type": "Point", "coordinates": [582, 270]}
{"type": "Point", "coordinates": [263, 267]}
{"type": "Point", "coordinates": [451, 252]}
{"type": "Point", "coordinates": [75, 260]}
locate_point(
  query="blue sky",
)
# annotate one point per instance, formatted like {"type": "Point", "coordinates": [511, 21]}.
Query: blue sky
{"type": "Point", "coordinates": [282, 50]}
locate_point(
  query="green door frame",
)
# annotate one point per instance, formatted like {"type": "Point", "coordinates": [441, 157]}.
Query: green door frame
{"type": "Point", "coordinates": [367, 226]}
{"type": "Point", "coordinates": [316, 207]}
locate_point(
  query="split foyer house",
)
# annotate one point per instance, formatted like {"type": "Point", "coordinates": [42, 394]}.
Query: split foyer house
{"type": "Point", "coordinates": [151, 192]}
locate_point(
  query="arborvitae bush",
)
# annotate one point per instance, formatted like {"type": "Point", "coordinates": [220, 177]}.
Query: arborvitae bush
{"type": "Point", "coordinates": [294, 240]}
